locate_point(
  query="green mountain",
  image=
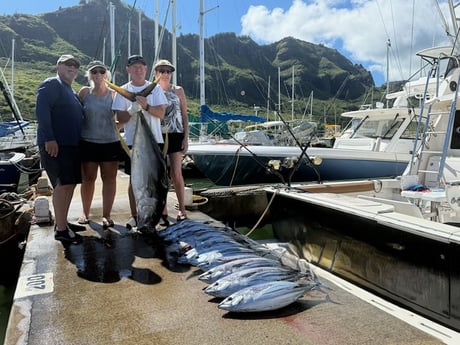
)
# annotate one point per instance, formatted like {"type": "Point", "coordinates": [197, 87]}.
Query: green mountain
{"type": "Point", "coordinates": [237, 69]}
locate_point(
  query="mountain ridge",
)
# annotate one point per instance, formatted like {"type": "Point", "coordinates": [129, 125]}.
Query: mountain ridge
{"type": "Point", "coordinates": [237, 68]}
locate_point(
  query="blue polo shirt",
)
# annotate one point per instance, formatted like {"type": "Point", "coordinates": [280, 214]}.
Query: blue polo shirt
{"type": "Point", "coordinates": [59, 113]}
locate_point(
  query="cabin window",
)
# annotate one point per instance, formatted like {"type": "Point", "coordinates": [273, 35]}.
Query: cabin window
{"type": "Point", "coordinates": [411, 131]}
{"type": "Point", "coordinates": [378, 128]}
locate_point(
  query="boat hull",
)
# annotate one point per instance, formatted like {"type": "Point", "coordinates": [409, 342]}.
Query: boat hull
{"type": "Point", "coordinates": [417, 270]}
{"type": "Point", "coordinates": [228, 165]}
{"type": "Point", "coordinates": [9, 171]}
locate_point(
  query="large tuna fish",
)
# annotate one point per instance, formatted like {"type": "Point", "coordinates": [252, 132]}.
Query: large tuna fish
{"type": "Point", "coordinates": [238, 280]}
{"type": "Point", "coordinates": [220, 271]}
{"type": "Point", "coordinates": [266, 296]}
{"type": "Point", "coordinates": [149, 178]}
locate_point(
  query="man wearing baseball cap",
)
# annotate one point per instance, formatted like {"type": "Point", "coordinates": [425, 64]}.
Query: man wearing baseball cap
{"type": "Point", "coordinates": [60, 115]}
{"type": "Point", "coordinates": [153, 105]}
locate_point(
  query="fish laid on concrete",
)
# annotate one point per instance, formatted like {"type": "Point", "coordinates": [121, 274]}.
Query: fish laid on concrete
{"type": "Point", "coordinates": [248, 277]}
{"type": "Point", "coordinates": [266, 296]}
{"type": "Point", "coordinates": [149, 178]}
{"type": "Point", "coordinates": [215, 273]}
{"type": "Point", "coordinates": [195, 258]}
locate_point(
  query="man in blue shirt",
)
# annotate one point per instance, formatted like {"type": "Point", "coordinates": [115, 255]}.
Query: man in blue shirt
{"type": "Point", "coordinates": [60, 115]}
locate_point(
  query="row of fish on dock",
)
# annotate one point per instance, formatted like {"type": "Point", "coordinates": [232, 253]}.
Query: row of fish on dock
{"type": "Point", "coordinates": [247, 275]}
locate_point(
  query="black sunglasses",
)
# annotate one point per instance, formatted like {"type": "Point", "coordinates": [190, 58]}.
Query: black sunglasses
{"type": "Point", "coordinates": [162, 71]}
{"type": "Point", "coordinates": [71, 64]}
{"type": "Point", "coordinates": [96, 71]}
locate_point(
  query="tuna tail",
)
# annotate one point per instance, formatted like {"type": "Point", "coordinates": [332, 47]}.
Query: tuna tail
{"type": "Point", "coordinates": [125, 93]}
{"type": "Point", "coordinates": [132, 95]}
{"type": "Point", "coordinates": [149, 88]}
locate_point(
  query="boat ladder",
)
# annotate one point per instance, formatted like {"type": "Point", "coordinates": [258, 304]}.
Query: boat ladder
{"type": "Point", "coordinates": [426, 131]}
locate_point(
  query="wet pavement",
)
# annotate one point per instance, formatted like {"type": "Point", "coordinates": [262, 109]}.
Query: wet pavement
{"type": "Point", "coordinates": [117, 288]}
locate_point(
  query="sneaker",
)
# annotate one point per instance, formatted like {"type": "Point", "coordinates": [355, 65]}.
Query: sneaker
{"type": "Point", "coordinates": [132, 223]}
{"type": "Point", "coordinates": [67, 236]}
{"type": "Point", "coordinates": [76, 227]}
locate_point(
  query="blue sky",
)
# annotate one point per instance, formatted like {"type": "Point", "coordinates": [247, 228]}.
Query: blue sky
{"type": "Point", "coordinates": [359, 29]}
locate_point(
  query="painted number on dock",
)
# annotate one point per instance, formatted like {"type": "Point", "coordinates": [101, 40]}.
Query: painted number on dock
{"type": "Point", "coordinates": [34, 285]}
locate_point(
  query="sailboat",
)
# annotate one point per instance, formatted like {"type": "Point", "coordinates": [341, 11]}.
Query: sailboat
{"type": "Point", "coordinates": [18, 150]}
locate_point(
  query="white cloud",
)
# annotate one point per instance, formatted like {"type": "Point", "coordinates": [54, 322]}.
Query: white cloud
{"type": "Point", "coordinates": [359, 29]}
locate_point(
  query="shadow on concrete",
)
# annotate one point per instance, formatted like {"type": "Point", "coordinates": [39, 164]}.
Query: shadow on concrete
{"type": "Point", "coordinates": [109, 257]}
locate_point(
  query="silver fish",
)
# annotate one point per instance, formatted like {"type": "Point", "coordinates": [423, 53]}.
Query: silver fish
{"type": "Point", "coordinates": [252, 276]}
{"type": "Point", "coordinates": [266, 296]}
{"type": "Point", "coordinates": [148, 177]}
{"type": "Point", "coordinates": [220, 271]}
{"type": "Point", "coordinates": [196, 258]}
{"type": "Point", "coordinates": [207, 265]}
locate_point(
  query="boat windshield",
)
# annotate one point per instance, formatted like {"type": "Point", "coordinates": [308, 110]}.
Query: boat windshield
{"type": "Point", "coordinates": [385, 129]}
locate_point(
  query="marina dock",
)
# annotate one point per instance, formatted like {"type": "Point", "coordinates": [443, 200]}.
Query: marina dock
{"type": "Point", "coordinates": [116, 288]}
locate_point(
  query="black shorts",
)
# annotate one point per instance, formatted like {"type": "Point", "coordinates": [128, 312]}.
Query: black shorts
{"type": "Point", "coordinates": [174, 142]}
{"type": "Point", "coordinates": [127, 159]}
{"type": "Point", "coordinates": [94, 152]}
{"type": "Point", "coordinates": [63, 169]}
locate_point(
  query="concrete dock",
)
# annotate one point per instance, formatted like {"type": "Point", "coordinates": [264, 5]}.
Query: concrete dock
{"type": "Point", "coordinates": [116, 288]}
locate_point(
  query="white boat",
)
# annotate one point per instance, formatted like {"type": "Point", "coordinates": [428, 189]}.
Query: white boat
{"type": "Point", "coordinates": [396, 237]}
{"type": "Point", "coordinates": [379, 144]}
{"type": "Point", "coordinates": [399, 237]}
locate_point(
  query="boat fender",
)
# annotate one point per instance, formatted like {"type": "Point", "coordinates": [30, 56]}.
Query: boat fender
{"type": "Point", "coordinates": [42, 210]}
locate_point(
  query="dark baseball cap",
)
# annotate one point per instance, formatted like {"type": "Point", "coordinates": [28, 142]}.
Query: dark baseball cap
{"type": "Point", "coordinates": [135, 59]}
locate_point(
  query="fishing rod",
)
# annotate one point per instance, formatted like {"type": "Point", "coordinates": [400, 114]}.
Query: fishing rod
{"type": "Point", "coordinates": [303, 152]}
{"type": "Point", "coordinates": [256, 158]}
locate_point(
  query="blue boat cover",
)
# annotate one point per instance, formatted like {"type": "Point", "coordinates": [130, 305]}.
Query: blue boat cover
{"type": "Point", "coordinates": [207, 115]}
{"type": "Point", "coordinates": [10, 127]}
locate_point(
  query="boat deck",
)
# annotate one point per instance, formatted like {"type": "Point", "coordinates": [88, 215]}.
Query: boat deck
{"type": "Point", "coordinates": [115, 288]}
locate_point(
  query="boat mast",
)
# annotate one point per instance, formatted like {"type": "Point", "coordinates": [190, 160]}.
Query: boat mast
{"type": "Point", "coordinates": [268, 97]}
{"type": "Point", "coordinates": [279, 92]}
{"type": "Point", "coordinates": [12, 67]}
{"type": "Point", "coordinates": [112, 35]}
{"type": "Point", "coordinates": [156, 16]}
{"type": "Point", "coordinates": [388, 69]}
{"type": "Point", "coordinates": [202, 13]}
{"type": "Point", "coordinates": [202, 91]}
{"type": "Point", "coordinates": [173, 33]}
{"type": "Point", "coordinates": [140, 32]}
{"type": "Point", "coordinates": [292, 98]}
